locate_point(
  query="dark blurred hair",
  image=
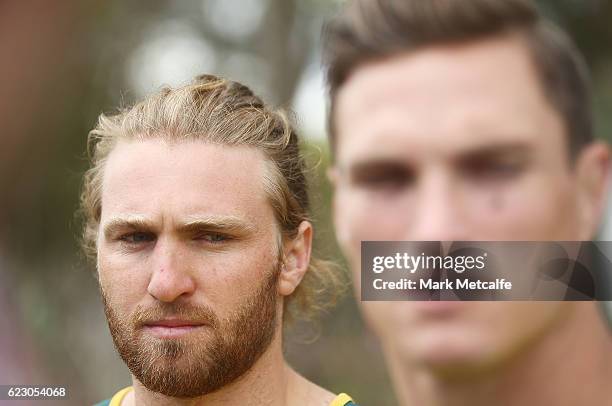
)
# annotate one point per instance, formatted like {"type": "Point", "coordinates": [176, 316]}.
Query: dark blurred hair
{"type": "Point", "coordinates": [369, 30]}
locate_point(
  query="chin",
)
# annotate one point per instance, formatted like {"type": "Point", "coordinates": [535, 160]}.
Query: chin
{"type": "Point", "coordinates": [450, 349]}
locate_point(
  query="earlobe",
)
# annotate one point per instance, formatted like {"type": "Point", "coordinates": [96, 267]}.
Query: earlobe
{"type": "Point", "coordinates": [593, 170]}
{"type": "Point", "coordinates": [296, 260]}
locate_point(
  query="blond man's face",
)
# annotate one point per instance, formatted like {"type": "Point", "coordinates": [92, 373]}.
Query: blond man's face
{"type": "Point", "coordinates": [188, 262]}
{"type": "Point", "coordinates": [455, 143]}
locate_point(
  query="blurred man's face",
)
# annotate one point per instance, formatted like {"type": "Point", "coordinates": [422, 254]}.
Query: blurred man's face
{"type": "Point", "coordinates": [188, 262]}
{"type": "Point", "coordinates": [453, 143]}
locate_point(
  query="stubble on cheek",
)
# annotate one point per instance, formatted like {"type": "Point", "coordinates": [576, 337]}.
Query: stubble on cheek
{"type": "Point", "coordinates": [192, 366]}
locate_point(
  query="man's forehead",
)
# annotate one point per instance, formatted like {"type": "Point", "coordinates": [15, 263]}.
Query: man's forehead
{"type": "Point", "coordinates": [458, 61]}
{"type": "Point", "coordinates": [191, 176]}
{"type": "Point", "coordinates": [444, 98]}
{"type": "Point", "coordinates": [169, 152]}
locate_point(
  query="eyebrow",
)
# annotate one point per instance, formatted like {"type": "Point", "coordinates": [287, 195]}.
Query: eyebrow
{"type": "Point", "coordinates": [191, 224]}
{"type": "Point", "coordinates": [496, 151]}
{"type": "Point", "coordinates": [378, 165]}
{"type": "Point", "coordinates": [116, 224]}
{"type": "Point", "coordinates": [397, 161]}
{"type": "Point", "coordinates": [219, 223]}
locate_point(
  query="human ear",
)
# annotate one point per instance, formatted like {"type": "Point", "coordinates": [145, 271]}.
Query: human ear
{"type": "Point", "coordinates": [592, 171]}
{"type": "Point", "coordinates": [296, 259]}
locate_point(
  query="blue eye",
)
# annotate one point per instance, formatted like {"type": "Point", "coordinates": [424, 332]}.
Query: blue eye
{"type": "Point", "coordinates": [213, 238]}
{"type": "Point", "coordinates": [138, 237]}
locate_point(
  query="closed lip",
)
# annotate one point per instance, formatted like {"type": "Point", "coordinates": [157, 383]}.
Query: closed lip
{"type": "Point", "coordinates": [173, 323]}
{"type": "Point", "coordinates": [439, 307]}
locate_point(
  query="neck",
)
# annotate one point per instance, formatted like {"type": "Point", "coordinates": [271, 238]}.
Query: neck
{"type": "Point", "coordinates": [269, 382]}
{"type": "Point", "coordinates": [568, 366]}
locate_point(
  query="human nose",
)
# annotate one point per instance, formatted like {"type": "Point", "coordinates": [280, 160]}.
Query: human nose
{"type": "Point", "coordinates": [171, 277]}
{"type": "Point", "coordinates": [440, 213]}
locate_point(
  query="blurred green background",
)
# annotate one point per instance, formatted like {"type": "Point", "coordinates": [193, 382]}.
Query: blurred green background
{"type": "Point", "coordinates": [62, 63]}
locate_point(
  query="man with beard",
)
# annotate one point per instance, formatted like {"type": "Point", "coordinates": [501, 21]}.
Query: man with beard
{"type": "Point", "coordinates": [196, 211]}
{"type": "Point", "coordinates": [469, 120]}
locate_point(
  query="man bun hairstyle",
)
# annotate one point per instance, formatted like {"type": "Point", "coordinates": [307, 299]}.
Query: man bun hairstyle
{"type": "Point", "coordinates": [222, 112]}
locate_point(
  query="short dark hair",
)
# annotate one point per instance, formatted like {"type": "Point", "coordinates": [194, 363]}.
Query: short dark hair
{"type": "Point", "coordinates": [369, 30]}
